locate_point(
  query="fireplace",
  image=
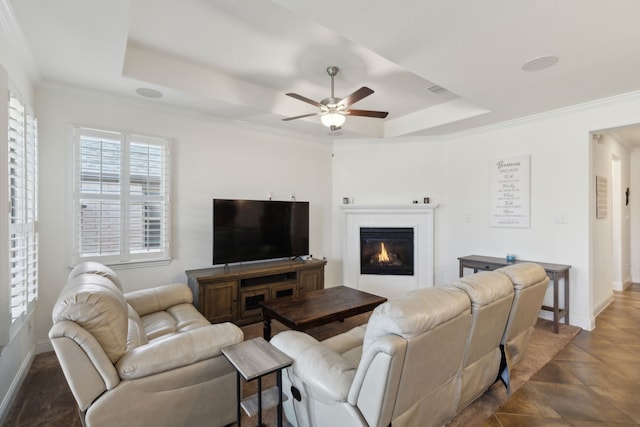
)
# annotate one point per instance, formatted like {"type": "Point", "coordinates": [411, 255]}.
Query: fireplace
{"type": "Point", "coordinates": [419, 217]}
{"type": "Point", "coordinates": [386, 251]}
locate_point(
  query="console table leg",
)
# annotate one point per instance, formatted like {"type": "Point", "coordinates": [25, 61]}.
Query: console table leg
{"type": "Point", "coordinates": [566, 297]}
{"type": "Point", "coordinates": [556, 313]}
{"type": "Point", "coordinates": [266, 330]}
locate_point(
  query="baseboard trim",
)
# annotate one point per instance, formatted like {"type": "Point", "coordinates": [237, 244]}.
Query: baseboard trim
{"type": "Point", "coordinates": [586, 324]}
{"type": "Point", "coordinates": [44, 346]}
{"type": "Point", "coordinates": [12, 393]}
{"type": "Point", "coordinates": [603, 306]}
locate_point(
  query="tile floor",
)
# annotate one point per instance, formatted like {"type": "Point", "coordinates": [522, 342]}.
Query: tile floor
{"type": "Point", "coordinates": [593, 381]}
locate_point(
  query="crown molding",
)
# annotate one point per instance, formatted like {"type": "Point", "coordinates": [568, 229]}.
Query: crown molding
{"type": "Point", "coordinates": [518, 121]}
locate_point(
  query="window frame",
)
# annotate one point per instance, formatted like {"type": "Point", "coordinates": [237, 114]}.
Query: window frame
{"type": "Point", "coordinates": [19, 187]}
{"type": "Point", "coordinates": [127, 256]}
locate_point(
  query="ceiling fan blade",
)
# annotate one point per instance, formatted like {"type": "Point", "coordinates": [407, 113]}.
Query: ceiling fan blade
{"type": "Point", "coordinates": [286, 119]}
{"type": "Point", "coordinates": [356, 96]}
{"type": "Point", "coordinates": [367, 113]}
{"type": "Point", "coordinates": [305, 99]}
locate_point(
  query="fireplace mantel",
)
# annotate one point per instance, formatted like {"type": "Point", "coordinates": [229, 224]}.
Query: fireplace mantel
{"type": "Point", "coordinates": [415, 207]}
{"type": "Point", "coordinates": [420, 217]}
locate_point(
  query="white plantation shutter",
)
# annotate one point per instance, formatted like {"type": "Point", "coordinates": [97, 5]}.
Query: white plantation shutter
{"type": "Point", "coordinates": [98, 216]}
{"type": "Point", "coordinates": [31, 206]}
{"type": "Point", "coordinates": [149, 199]}
{"type": "Point", "coordinates": [22, 192]}
{"type": "Point", "coordinates": [121, 203]}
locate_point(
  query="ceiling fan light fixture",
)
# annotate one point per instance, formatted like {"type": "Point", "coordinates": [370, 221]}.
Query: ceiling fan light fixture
{"type": "Point", "coordinates": [333, 111]}
{"type": "Point", "coordinates": [333, 119]}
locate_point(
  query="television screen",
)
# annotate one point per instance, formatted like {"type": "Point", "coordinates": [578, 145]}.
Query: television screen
{"type": "Point", "coordinates": [254, 230]}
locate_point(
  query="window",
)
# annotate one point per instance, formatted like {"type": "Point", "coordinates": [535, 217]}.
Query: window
{"type": "Point", "coordinates": [20, 259]}
{"type": "Point", "coordinates": [121, 197]}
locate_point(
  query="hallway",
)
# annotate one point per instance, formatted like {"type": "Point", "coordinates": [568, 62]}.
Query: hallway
{"type": "Point", "coordinates": [593, 381]}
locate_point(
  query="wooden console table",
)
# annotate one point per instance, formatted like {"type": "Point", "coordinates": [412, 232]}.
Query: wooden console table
{"type": "Point", "coordinates": [554, 271]}
{"type": "Point", "coordinates": [234, 294]}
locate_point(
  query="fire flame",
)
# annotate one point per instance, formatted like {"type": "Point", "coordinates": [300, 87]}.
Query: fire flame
{"type": "Point", "coordinates": [382, 256]}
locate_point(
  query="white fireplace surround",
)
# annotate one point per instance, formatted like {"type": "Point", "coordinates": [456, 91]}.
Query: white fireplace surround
{"type": "Point", "coordinates": [420, 217]}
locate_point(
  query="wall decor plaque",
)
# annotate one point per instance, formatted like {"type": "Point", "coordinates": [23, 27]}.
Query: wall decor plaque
{"type": "Point", "coordinates": [510, 198]}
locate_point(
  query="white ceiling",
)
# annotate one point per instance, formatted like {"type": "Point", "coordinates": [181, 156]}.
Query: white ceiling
{"type": "Point", "coordinates": [237, 58]}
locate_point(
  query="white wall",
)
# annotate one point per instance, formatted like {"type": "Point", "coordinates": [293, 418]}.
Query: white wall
{"type": "Point", "coordinates": [211, 158]}
{"type": "Point", "coordinates": [454, 172]}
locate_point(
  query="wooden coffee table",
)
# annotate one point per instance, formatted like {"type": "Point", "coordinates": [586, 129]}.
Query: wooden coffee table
{"type": "Point", "coordinates": [317, 308]}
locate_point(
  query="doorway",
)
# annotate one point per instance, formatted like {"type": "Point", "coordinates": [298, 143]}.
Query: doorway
{"type": "Point", "coordinates": [615, 156]}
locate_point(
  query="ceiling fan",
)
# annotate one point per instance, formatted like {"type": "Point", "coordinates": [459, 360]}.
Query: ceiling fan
{"type": "Point", "coordinates": [333, 111]}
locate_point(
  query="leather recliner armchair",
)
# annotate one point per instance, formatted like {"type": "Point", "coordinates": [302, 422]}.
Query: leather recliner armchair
{"type": "Point", "coordinates": [142, 358]}
{"type": "Point", "coordinates": [421, 358]}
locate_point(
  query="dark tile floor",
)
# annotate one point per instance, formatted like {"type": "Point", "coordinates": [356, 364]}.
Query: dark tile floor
{"type": "Point", "coordinates": [593, 381]}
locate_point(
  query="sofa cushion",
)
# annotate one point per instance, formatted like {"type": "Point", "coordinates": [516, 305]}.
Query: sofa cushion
{"type": "Point", "coordinates": [415, 312]}
{"type": "Point", "coordinates": [158, 324]}
{"type": "Point", "coordinates": [187, 317]}
{"type": "Point", "coordinates": [348, 344]}
{"type": "Point", "coordinates": [147, 301]}
{"type": "Point", "coordinates": [95, 303]}
{"type": "Point", "coordinates": [179, 318]}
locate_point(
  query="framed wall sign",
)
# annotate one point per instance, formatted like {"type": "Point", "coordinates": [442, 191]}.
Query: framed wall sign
{"type": "Point", "coordinates": [510, 198]}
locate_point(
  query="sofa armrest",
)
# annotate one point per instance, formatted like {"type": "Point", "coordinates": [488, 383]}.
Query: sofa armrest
{"type": "Point", "coordinates": [326, 375]}
{"type": "Point", "coordinates": [89, 346]}
{"type": "Point", "coordinates": [176, 350]}
{"type": "Point", "coordinates": [392, 347]}
{"type": "Point", "coordinates": [160, 298]}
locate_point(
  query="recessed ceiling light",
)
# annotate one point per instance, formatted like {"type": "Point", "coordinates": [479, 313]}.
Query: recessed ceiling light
{"type": "Point", "coordinates": [148, 92]}
{"type": "Point", "coordinates": [540, 63]}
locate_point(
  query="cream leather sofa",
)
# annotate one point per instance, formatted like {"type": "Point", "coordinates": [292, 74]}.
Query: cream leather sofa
{"type": "Point", "coordinates": [145, 358]}
{"type": "Point", "coordinates": [420, 359]}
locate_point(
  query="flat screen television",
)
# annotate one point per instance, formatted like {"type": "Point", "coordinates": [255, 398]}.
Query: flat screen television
{"type": "Point", "coordinates": [255, 230]}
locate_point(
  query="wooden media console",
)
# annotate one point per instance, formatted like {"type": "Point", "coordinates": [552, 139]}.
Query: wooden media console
{"type": "Point", "coordinates": [234, 294]}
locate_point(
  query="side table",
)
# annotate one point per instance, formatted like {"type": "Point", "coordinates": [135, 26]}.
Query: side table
{"type": "Point", "coordinates": [254, 359]}
{"type": "Point", "coordinates": [555, 272]}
